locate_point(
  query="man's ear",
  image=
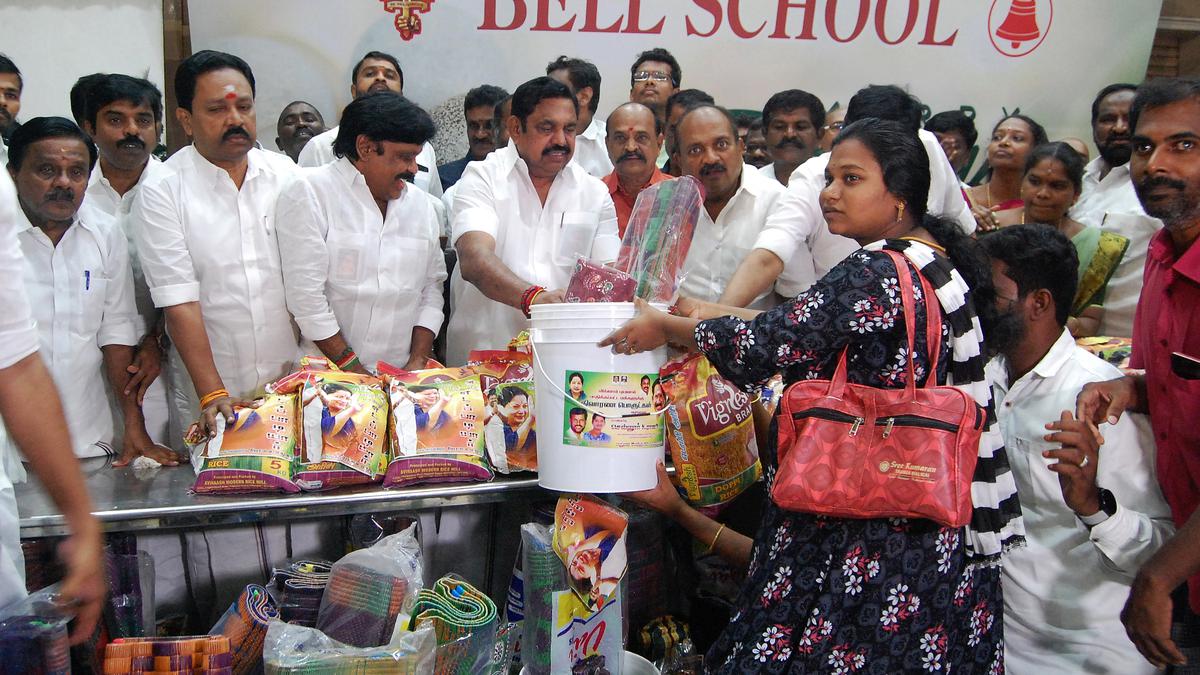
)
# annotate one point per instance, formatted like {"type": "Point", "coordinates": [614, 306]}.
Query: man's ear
{"type": "Point", "coordinates": [184, 117]}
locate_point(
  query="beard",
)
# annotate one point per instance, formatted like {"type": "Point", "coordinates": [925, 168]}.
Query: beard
{"type": "Point", "coordinates": [1116, 155]}
{"type": "Point", "coordinates": [1179, 210]}
{"type": "Point", "coordinates": [1007, 331]}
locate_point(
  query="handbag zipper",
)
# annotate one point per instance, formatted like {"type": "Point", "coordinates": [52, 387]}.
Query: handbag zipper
{"type": "Point", "coordinates": [833, 416]}
{"type": "Point", "coordinates": [917, 421]}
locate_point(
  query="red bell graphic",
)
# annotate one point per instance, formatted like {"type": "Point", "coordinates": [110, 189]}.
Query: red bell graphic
{"type": "Point", "coordinates": [1021, 23]}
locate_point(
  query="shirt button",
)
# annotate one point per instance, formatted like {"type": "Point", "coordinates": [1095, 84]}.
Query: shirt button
{"type": "Point", "coordinates": [1008, 404]}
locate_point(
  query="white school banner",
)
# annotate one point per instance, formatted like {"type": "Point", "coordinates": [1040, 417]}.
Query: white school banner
{"type": "Point", "coordinates": [1046, 58]}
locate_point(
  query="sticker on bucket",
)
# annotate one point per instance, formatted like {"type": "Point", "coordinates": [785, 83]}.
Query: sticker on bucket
{"type": "Point", "coordinates": [617, 410]}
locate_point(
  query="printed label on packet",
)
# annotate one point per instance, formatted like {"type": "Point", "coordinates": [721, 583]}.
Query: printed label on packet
{"type": "Point", "coordinates": [612, 410]}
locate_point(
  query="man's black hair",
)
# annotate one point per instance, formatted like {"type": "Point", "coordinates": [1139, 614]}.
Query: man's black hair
{"type": "Point", "coordinates": [41, 128]}
{"type": "Point", "coordinates": [382, 116]}
{"type": "Point", "coordinates": [581, 74]}
{"type": "Point", "coordinates": [79, 95]}
{"type": "Point", "coordinates": [485, 94]}
{"type": "Point", "coordinates": [789, 100]}
{"type": "Point", "coordinates": [7, 67]}
{"type": "Point", "coordinates": [206, 61]}
{"type": "Point", "coordinates": [133, 90]}
{"type": "Point", "coordinates": [1105, 93]}
{"type": "Point", "coordinates": [577, 411]}
{"type": "Point", "coordinates": [885, 102]}
{"type": "Point", "coordinates": [956, 122]}
{"type": "Point", "coordinates": [662, 56]}
{"type": "Point", "coordinates": [1037, 256]}
{"type": "Point", "coordinates": [529, 95]}
{"type": "Point", "coordinates": [378, 56]}
{"type": "Point", "coordinates": [689, 99]}
{"type": "Point", "coordinates": [1161, 91]}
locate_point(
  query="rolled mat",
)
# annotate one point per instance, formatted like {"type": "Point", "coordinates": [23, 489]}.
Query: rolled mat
{"type": "Point", "coordinates": [33, 644]}
{"type": "Point", "coordinates": [205, 654]}
{"type": "Point", "coordinates": [298, 587]}
{"type": "Point", "coordinates": [360, 605]}
{"type": "Point", "coordinates": [464, 620]}
{"type": "Point", "coordinates": [245, 625]}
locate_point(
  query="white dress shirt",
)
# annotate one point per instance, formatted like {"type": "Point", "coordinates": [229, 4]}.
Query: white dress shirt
{"type": "Point", "coordinates": [538, 242]}
{"type": "Point", "coordinates": [1064, 591]}
{"type": "Point", "coordinates": [3, 154]}
{"type": "Point", "coordinates": [1111, 194]}
{"type": "Point", "coordinates": [719, 247]}
{"type": "Point", "coordinates": [201, 239]}
{"type": "Point", "coordinates": [81, 292]}
{"type": "Point", "coordinates": [348, 268]}
{"type": "Point", "coordinates": [769, 172]}
{"type": "Point", "coordinates": [591, 152]}
{"type": "Point", "coordinates": [319, 151]}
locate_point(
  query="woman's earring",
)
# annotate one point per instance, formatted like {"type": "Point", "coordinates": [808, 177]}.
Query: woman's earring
{"type": "Point", "coordinates": [900, 212]}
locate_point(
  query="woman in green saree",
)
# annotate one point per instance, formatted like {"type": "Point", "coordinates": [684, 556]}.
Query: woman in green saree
{"type": "Point", "coordinates": [1052, 182]}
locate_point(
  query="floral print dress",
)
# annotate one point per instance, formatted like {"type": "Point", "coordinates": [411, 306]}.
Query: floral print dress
{"type": "Point", "coordinates": [832, 595]}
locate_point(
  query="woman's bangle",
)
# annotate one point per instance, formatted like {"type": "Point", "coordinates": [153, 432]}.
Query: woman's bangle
{"type": "Point", "coordinates": [212, 396]}
{"type": "Point", "coordinates": [717, 536]}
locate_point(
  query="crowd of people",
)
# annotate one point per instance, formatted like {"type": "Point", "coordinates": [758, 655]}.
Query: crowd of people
{"type": "Point", "coordinates": [168, 290]}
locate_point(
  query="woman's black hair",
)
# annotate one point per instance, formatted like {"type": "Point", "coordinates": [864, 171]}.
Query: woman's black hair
{"type": "Point", "coordinates": [905, 165]}
{"type": "Point", "coordinates": [575, 375]}
{"type": "Point", "coordinates": [1039, 132]}
{"type": "Point", "coordinates": [505, 395]}
{"type": "Point", "coordinates": [1071, 160]}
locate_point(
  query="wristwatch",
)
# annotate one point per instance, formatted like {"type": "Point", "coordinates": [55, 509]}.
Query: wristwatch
{"type": "Point", "coordinates": [1108, 507]}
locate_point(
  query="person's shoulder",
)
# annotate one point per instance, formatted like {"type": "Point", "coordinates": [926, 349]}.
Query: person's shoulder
{"type": "Point", "coordinates": [275, 163]}
{"type": "Point", "coordinates": [1085, 367]}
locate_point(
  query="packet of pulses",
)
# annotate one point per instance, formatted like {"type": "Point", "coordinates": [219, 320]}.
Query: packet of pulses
{"type": "Point", "coordinates": [710, 430]}
{"type": "Point", "coordinates": [343, 422]}
{"type": "Point", "coordinates": [255, 453]}
{"type": "Point", "coordinates": [436, 426]}
{"type": "Point", "coordinates": [510, 430]}
{"type": "Point", "coordinates": [659, 235]}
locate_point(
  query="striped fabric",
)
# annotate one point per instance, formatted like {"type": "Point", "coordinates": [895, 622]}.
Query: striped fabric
{"type": "Point", "coordinates": [997, 524]}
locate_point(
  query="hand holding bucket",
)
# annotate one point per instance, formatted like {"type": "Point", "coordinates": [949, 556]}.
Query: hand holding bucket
{"type": "Point", "coordinates": [644, 332]}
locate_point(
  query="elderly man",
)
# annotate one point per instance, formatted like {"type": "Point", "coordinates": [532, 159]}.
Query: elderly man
{"type": "Point", "coordinates": [737, 202]}
{"type": "Point", "coordinates": [77, 275]}
{"type": "Point", "coordinates": [479, 109]}
{"type": "Point", "coordinates": [375, 71]}
{"type": "Point", "coordinates": [634, 137]}
{"type": "Point", "coordinates": [362, 264]}
{"type": "Point", "coordinates": [521, 217]}
{"type": "Point", "coordinates": [1092, 516]}
{"type": "Point", "coordinates": [584, 80]}
{"type": "Point", "coordinates": [206, 236]}
{"type": "Point", "coordinates": [792, 121]}
{"type": "Point", "coordinates": [1165, 172]}
{"type": "Point", "coordinates": [299, 123]}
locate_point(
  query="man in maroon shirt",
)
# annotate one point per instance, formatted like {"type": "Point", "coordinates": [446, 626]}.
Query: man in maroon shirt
{"type": "Point", "coordinates": [634, 138]}
{"type": "Point", "coordinates": [1165, 169]}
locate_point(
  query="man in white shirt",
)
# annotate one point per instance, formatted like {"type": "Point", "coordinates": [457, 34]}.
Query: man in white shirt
{"type": "Point", "coordinates": [1109, 202]}
{"type": "Point", "coordinates": [796, 248]}
{"type": "Point", "coordinates": [737, 201]}
{"type": "Point", "coordinates": [792, 121]}
{"type": "Point", "coordinates": [206, 236]}
{"type": "Point", "coordinates": [11, 86]}
{"type": "Point", "coordinates": [584, 80]}
{"type": "Point", "coordinates": [375, 71]}
{"type": "Point", "coordinates": [1092, 515]}
{"type": "Point", "coordinates": [33, 416]}
{"type": "Point", "coordinates": [362, 265]}
{"type": "Point", "coordinates": [521, 218]}
{"type": "Point", "coordinates": [77, 277]}
{"type": "Point", "coordinates": [123, 115]}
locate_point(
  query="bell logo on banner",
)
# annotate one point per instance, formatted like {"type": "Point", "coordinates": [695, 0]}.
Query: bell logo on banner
{"type": "Point", "coordinates": [1017, 27]}
{"type": "Point", "coordinates": [408, 15]}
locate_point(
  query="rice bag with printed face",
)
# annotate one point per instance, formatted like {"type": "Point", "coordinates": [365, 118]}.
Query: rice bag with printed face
{"type": "Point", "coordinates": [710, 431]}
{"type": "Point", "coordinates": [344, 439]}
{"type": "Point", "coordinates": [435, 427]}
{"type": "Point", "coordinates": [255, 453]}
{"type": "Point", "coordinates": [510, 429]}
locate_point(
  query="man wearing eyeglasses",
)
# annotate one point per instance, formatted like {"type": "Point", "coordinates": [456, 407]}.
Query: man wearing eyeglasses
{"type": "Point", "coordinates": [654, 78]}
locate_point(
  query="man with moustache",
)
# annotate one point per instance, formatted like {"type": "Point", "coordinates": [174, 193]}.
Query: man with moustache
{"type": "Point", "coordinates": [737, 202]}
{"type": "Point", "coordinates": [521, 218]}
{"type": "Point", "coordinates": [123, 115]}
{"type": "Point", "coordinates": [11, 86]}
{"type": "Point", "coordinates": [1165, 172]}
{"type": "Point", "coordinates": [205, 233]}
{"type": "Point", "coordinates": [792, 121]}
{"type": "Point", "coordinates": [755, 153]}
{"type": "Point", "coordinates": [77, 276]}
{"type": "Point", "coordinates": [479, 108]}
{"type": "Point", "coordinates": [375, 71]}
{"type": "Point", "coordinates": [362, 264]}
{"type": "Point", "coordinates": [634, 137]}
{"type": "Point", "coordinates": [298, 124]}
{"type": "Point", "coordinates": [584, 80]}
{"type": "Point", "coordinates": [1108, 201]}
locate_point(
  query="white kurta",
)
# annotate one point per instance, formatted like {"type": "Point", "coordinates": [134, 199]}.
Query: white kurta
{"type": "Point", "coordinates": [590, 150]}
{"type": "Point", "coordinates": [1064, 591]}
{"type": "Point", "coordinates": [348, 268]}
{"type": "Point", "coordinates": [538, 242]}
{"type": "Point", "coordinates": [319, 151]}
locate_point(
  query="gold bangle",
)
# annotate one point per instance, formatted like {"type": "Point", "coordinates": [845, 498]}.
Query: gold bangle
{"type": "Point", "coordinates": [715, 538]}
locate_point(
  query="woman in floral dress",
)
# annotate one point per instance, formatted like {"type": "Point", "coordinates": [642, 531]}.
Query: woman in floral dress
{"type": "Point", "coordinates": [832, 595]}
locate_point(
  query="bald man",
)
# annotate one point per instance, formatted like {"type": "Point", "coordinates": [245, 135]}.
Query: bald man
{"type": "Point", "coordinates": [634, 138]}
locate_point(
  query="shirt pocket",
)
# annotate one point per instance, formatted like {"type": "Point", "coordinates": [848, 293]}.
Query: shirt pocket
{"type": "Point", "coordinates": [576, 232]}
{"type": "Point", "coordinates": [347, 259]}
{"type": "Point", "coordinates": [408, 260]}
{"type": "Point", "coordinates": [92, 299]}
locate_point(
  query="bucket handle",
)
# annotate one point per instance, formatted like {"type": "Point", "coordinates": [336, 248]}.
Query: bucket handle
{"type": "Point", "coordinates": [555, 387]}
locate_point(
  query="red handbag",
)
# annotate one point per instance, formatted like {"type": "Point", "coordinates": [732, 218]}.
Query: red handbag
{"type": "Point", "coordinates": [854, 451]}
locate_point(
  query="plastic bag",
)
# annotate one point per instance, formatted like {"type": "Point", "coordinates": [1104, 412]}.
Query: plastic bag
{"type": "Point", "coordinates": [368, 590]}
{"type": "Point", "coordinates": [33, 635]}
{"type": "Point", "coordinates": [510, 425]}
{"type": "Point", "coordinates": [710, 430]}
{"type": "Point", "coordinates": [297, 650]}
{"type": "Point", "coordinates": [659, 235]}
{"type": "Point", "coordinates": [436, 426]}
{"type": "Point", "coordinates": [256, 453]}
{"type": "Point", "coordinates": [297, 588]}
{"type": "Point", "coordinates": [199, 653]}
{"type": "Point", "coordinates": [596, 282]}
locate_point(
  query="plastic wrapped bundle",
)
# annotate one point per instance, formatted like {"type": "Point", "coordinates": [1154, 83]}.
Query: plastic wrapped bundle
{"type": "Point", "coordinates": [369, 588]}
{"type": "Point", "coordinates": [659, 235]}
{"type": "Point", "coordinates": [296, 650]}
{"type": "Point", "coordinates": [464, 620]}
{"type": "Point", "coordinates": [245, 624]}
{"type": "Point", "coordinates": [544, 575]}
{"type": "Point", "coordinates": [205, 654]}
{"type": "Point", "coordinates": [595, 282]}
{"type": "Point", "coordinates": [33, 638]}
{"type": "Point", "coordinates": [128, 572]}
{"type": "Point", "coordinates": [297, 588]}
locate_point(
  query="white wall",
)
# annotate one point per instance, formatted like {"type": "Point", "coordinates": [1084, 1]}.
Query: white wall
{"type": "Point", "coordinates": [54, 42]}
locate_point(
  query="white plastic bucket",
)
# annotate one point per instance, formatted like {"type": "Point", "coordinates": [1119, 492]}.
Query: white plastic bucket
{"type": "Point", "coordinates": [617, 454]}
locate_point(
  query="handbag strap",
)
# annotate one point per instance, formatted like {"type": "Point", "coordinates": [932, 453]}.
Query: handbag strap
{"type": "Point", "coordinates": [933, 317]}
